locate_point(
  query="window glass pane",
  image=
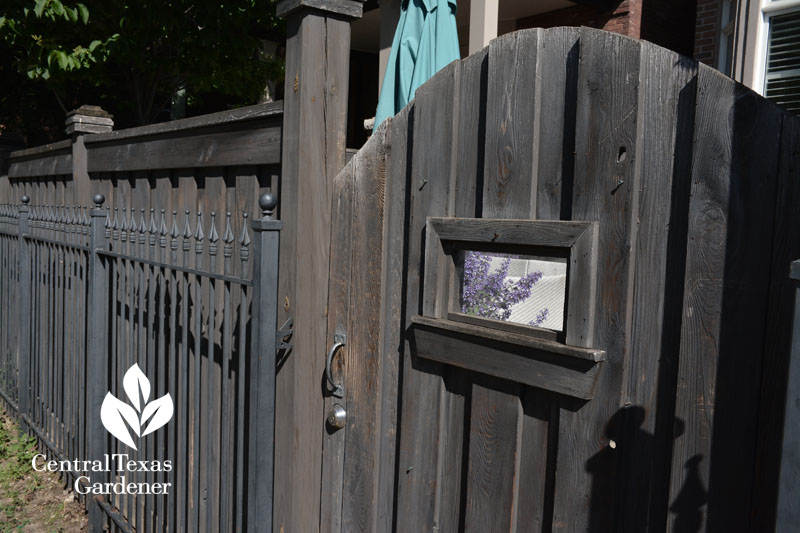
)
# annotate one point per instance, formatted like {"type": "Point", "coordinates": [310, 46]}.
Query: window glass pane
{"type": "Point", "coordinates": [515, 288]}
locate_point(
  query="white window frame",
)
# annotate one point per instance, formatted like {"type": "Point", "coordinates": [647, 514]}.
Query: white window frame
{"type": "Point", "coordinates": [769, 9]}
{"type": "Point", "coordinates": [726, 33]}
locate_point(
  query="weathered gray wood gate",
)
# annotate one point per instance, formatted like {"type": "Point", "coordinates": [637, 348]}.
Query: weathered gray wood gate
{"type": "Point", "coordinates": [660, 405]}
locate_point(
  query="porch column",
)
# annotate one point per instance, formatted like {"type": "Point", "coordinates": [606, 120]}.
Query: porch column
{"type": "Point", "coordinates": [314, 131]}
{"type": "Point", "coordinates": [482, 23]}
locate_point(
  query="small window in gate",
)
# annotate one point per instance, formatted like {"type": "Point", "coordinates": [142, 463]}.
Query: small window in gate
{"type": "Point", "coordinates": [521, 289]}
{"type": "Point", "coordinates": [530, 277]}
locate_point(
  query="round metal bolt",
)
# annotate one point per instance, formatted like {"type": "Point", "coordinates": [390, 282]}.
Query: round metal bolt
{"type": "Point", "coordinates": [25, 199]}
{"type": "Point", "coordinates": [98, 199]}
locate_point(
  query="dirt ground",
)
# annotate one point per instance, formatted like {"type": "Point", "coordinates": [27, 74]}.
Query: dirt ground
{"type": "Point", "coordinates": [29, 500]}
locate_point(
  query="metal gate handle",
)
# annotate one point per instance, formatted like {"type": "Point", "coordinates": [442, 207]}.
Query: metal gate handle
{"type": "Point", "coordinates": [338, 342]}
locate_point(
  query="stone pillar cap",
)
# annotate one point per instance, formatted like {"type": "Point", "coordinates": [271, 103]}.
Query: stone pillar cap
{"type": "Point", "coordinates": [89, 119]}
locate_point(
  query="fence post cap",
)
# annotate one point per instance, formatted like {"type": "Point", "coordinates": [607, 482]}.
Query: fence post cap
{"type": "Point", "coordinates": [89, 119]}
{"type": "Point", "coordinates": [25, 199]}
{"type": "Point", "coordinates": [267, 202]}
{"type": "Point", "coordinates": [353, 9]}
{"type": "Point", "coordinates": [98, 199]}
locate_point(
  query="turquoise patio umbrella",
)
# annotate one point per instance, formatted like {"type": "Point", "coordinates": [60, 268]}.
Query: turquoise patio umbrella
{"type": "Point", "coordinates": [425, 41]}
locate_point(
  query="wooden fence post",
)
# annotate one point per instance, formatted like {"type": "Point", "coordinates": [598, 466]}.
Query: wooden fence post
{"type": "Point", "coordinates": [314, 141]}
{"type": "Point", "coordinates": [97, 381]}
{"type": "Point", "coordinates": [24, 332]}
{"type": "Point", "coordinates": [86, 119]}
{"type": "Point", "coordinates": [266, 244]}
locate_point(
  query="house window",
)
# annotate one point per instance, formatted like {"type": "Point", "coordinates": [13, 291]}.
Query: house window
{"type": "Point", "coordinates": [781, 57]}
{"type": "Point", "coordinates": [727, 25]}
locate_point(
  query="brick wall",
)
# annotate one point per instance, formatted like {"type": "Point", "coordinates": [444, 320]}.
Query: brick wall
{"type": "Point", "coordinates": [619, 20]}
{"type": "Point", "coordinates": [667, 23]}
{"type": "Point", "coordinates": [706, 31]}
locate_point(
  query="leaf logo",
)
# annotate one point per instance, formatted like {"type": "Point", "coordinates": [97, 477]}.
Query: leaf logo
{"type": "Point", "coordinates": [117, 416]}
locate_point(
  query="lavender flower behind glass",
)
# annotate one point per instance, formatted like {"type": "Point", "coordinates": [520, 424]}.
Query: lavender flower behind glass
{"type": "Point", "coordinates": [490, 294]}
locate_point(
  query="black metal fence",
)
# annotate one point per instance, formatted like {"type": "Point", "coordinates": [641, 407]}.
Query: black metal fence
{"type": "Point", "coordinates": [152, 319]}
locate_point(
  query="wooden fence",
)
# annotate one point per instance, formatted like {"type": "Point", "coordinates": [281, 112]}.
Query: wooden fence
{"type": "Point", "coordinates": [670, 193]}
{"type": "Point", "coordinates": [176, 274]}
{"type": "Point", "coordinates": [674, 193]}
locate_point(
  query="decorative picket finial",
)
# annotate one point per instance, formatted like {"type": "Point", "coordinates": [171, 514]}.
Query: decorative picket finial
{"type": "Point", "coordinates": [244, 241]}
{"type": "Point", "coordinates": [227, 237]}
{"type": "Point", "coordinates": [187, 232]}
{"type": "Point", "coordinates": [115, 226]}
{"type": "Point", "coordinates": [267, 202]}
{"type": "Point", "coordinates": [199, 236]}
{"type": "Point", "coordinates": [163, 231]}
{"type": "Point", "coordinates": [25, 199]}
{"type": "Point", "coordinates": [98, 200]}
{"type": "Point", "coordinates": [174, 234]}
{"type": "Point", "coordinates": [213, 237]}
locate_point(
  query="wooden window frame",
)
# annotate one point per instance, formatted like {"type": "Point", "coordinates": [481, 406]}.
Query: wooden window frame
{"type": "Point", "coordinates": [561, 362]}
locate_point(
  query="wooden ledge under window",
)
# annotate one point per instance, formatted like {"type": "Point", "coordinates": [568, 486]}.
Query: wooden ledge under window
{"type": "Point", "coordinates": [533, 361]}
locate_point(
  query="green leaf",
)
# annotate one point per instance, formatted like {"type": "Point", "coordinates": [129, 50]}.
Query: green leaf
{"type": "Point", "coordinates": [94, 44]}
{"type": "Point", "coordinates": [58, 7]}
{"type": "Point", "coordinates": [71, 14]}
{"type": "Point", "coordinates": [62, 59]}
{"type": "Point", "coordinates": [84, 13]}
{"type": "Point", "coordinates": [38, 9]}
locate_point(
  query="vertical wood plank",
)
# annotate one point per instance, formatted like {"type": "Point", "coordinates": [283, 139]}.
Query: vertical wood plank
{"type": "Point", "coordinates": [731, 217]}
{"type": "Point", "coordinates": [666, 110]}
{"type": "Point", "coordinates": [604, 191]}
{"type": "Point", "coordinates": [333, 442]}
{"type": "Point", "coordinates": [471, 144]}
{"type": "Point", "coordinates": [396, 146]}
{"type": "Point", "coordinates": [429, 183]}
{"type": "Point", "coordinates": [555, 141]}
{"type": "Point", "coordinates": [510, 123]}
{"type": "Point", "coordinates": [362, 360]}
{"type": "Point", "coordinates": [494, 453]}
{"type": "Point", "coordinates": [314, 128]}
{"type": "Point", "coordinates": [775, 368]}
{"type": "Point", "coordinates": [510, 191]}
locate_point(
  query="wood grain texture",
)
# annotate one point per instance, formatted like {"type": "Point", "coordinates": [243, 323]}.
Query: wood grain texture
{"type": "Point", "coordinates": [431, 120]}
{"type": "Point", "coordinates": [394, 239]}
{"type": "Point", "coordinates": [510, 123]}
{"type": "Point", "coordinates": [333, 441]}
{"type": "Point", "coordinates": [666, 111]}
{"type": "Point", "coordinates": [242, 115]}
{"type": "Point", "coordinates": [555, 142]}
{"type": "Point", "coordinates": [472, 98]}
{"type": "Point", "coordinates": [478, 349]}
{"type": "Point", "coordinates": [362, 361]}
{"type": "Point", "coordinates": [495, 437]}
{"type": "Point", "coordinates": [49, 165]}
{"type": "Point", "coordinates": [313, 153]}
{"type": "Point", "coordinates": [604, 191]}
{"type": "Point", "coordinates": [236, 144]}
{"type": "Point", "coordinates": [285, 441]}
{"type": "Point", "coordinates": [552, 233]}
{"type": "Point", "coordinates": [731, 213]}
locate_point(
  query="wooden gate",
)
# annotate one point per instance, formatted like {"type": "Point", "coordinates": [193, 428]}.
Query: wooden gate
{"type": "Point", "coordinates": [671, 194]}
